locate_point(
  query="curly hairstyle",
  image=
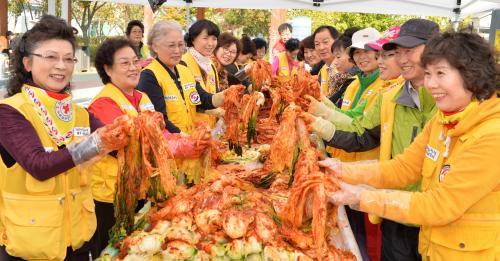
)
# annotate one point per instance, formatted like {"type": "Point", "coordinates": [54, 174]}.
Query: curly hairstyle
{"type": "Point", "coordinates": [48, 28]}
{"type": "Point", "coordinates": [247, 45]}
{"type": "Point", "coordinates": [131, 25]}
{"type": "Point", "coordinates": [105, 55]}
{"type": "Point", "coordinates": [226, 39]}
{"type": "Point", "coordinates": [198, 27]}
{"type": "Point", "coordinates": [472, 56]}
{"type": "Point", "coordinates": [260, 43]}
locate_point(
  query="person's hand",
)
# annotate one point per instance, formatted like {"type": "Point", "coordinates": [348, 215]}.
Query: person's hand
{"type": "Point", "coordinates": [316, 107]}
{"type": "Point", "coordinates": [185, 147]}
{"type": "Point", "coordinates": [217, 112]}
{"type": "Point", "coordinates": [347, 195]}
{"type": "Point", "coordinates": [332, 167]}
{"type": "Point", "coordinates": [323, 128]}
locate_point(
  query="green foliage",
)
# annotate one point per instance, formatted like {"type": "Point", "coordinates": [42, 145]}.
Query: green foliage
{"type": "Point", "coordinates": [242, 21]}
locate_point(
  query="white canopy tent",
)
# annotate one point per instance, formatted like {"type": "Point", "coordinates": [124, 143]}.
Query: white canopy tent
{"type": "Point", "coordinates": [403, 7]}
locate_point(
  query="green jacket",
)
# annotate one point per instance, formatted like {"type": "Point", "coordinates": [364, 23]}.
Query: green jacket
{"type": "Point", "coordinates": [363, 133]}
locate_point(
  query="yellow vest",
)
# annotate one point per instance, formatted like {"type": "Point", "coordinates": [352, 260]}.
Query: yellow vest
{"type": "Point", "coordinates": [284, 67]}
{"type": "Point", "coordinates": [323, 79]}
{"type": "Point", "coordinates": [104, 172]}
{"type": "Point", "coordinates": [181, 110]}
{"type": "Point", "coordinates": [370, 95]}
{"type": "Point", "coordinates": [210, 85]}
{"type": "Point", "coordinates": [40, 219]}
{"type": "Point", "coordinates": [475, 235]}
{"type": "Point", "coordinates": [387, 109]}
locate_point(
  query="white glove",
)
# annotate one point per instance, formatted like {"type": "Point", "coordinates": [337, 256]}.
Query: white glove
{"type": "Point", "coordinates": [261, 99]}
{"type": "Point", "coordinates": [348, 195]}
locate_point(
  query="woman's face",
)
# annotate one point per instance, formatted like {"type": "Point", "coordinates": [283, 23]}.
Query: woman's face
{"type": "Point", "coordinates": [311, 57]}
{"type": "Point", "coordinates": [323, 44]}
{"type": "Point", "coordinates": [365, 60]}
{"type": "Point", "coordinates": [243, 58]}
{"type": "Point", "coordinates": [388, 65]}
{"type": "Point", "coordinates": [169, 48]}
{"type": "Point", "coordinates": [342, 61]}
{"type": "Point", "coordinates": [205, 44]}
{"type": "Point", "coordinates": [226, 54]}
{"type": "Point", "coordinates": [124, 72]}
{"type": "Point", "coordinates": [136, 35]}
{"type": "Point", "coordinates": [447, 86]}
{"type": "Point", "coordinates": [51, 64]}
{"type": "Point", "coordinates": [260, 53]}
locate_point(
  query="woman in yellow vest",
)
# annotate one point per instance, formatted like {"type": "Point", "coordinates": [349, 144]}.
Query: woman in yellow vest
{"type": "Point", "coordinates": [202, 40]}
{"type": "Point", "coordinates": [324, 37]}
{"type": "Point", "coordinates": [135, 34]}
{"type": "Point", "coordinates": [46, 206]}
{"type": "Point", "coordinates": [455, 157]}
{"type": "Point", "coordinates": [285, 64]}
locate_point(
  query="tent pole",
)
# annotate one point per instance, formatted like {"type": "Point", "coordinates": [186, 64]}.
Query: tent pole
{"type": "Point", "coordinates": [456, 21]}
{"type": "Point", "coordinates": [188, 15]}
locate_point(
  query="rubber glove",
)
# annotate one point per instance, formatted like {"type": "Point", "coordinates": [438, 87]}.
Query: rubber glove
{"type": "Point", "coordinates": [328, 102]}
{"type": "Point", "coordinates": [348, 195]}
{"type": "Point", "coordinates": [218, 98]}
{"type": "Point", "coordinates": [184, 147]}
{"type": "Point", "coordinates": [218, 112]}
{"type": "Point", "coordinates": [332, 166]}
{"type": "Point", "coordinates": [261, 99]}
{"type": "Point", "coordinates": [320, 109]}
{"type": "Point", "coordinates": [323, 128]}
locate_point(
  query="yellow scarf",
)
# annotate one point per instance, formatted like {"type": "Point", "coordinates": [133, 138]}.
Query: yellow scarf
{"type": "Point", "coordinates": [56, 115]}
{"type": "Point", "coordinates": [456, 117]}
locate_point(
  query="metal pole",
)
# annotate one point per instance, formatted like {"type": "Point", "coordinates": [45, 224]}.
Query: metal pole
{"type": "Point", "coordinates": [188, 15]}
{"type": "Point", "coordinates": [52, 7]}
{"type": "Point", "coordinates": [65, 10]}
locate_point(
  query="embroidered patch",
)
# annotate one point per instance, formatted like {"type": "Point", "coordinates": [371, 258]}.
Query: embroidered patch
{"type": "Point", "coordinates": [431, 153]}
{"type": "Point", "coordinates": [188, 86]}
{"type": "Point", "coordinates": [444, 171]}
{"type": "Point", "coordinates": [170, 98]}
{"type": "Point", "coordinates": [194, 97]}
{"type": "Point", "coordinates": [81, 131]}
{"type": "Point", "coordinates": [64, 110]}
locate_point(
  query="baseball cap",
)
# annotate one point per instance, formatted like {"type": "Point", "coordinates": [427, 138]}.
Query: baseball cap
{"type": "Point", "coordinates": [413, 33]}
{"type": "Point", "coordinates": [389, 35]}
{"type": "Point", "coordinates": [362, 37]}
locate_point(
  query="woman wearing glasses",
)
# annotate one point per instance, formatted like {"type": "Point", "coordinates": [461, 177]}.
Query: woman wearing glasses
{"type": "Point", "coordinates": [47, 210]}
{"type": "Point", "coordinates": [225, 54]}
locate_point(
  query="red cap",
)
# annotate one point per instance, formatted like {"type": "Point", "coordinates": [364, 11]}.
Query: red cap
{"type": "Point", "coordinates": [389, 35]}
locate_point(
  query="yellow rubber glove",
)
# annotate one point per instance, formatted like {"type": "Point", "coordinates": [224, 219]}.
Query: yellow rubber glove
{"type": "Point", "coordinates": [328, 102]}
{"type": "Point", "coordinates": [323, 128]}
{"type": "Point", "coordinates": [320, 109]}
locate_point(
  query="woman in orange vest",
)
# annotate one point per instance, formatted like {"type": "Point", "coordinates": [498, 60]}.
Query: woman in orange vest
{"type": "Point", "coordinates": [47, 211]}
{"type": "Point", "coordinates": [285, 64]}
{"type": "Point", "coordinates": [455, 157]}
{"type": "Point", "coordinates": [119, 68]}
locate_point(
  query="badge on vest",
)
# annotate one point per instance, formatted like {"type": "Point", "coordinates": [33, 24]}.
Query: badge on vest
{"type": "Point", "coordinates": [346, 102]}
{"type": "Point", "coordinates": [195, 98]}
{"type": "Point", "coordinates": [170, 98]}
{"type": "Point", "coordinates": [64, 110]}
{"type": "Point", "coordinates": [81, 131]}
{"type": "Point", "coordinates": [147, 107]}
{"type": "Point", "coordinates": [444, 171]}
{"type": "Point", "coordinates": [188, 86]}
{"type": "Point", "coordinates": [431, 153]}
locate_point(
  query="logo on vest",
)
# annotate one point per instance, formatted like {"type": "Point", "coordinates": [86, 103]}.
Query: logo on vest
{"type": "Point", "coordinates": [64, 110]}
{"type": "Point", "coordinates": [444, 171]}
{"type": "Point", "coordinates": [194, 97]}
{"type": "Point", "coordinates": [170, 98]}
{"type": "Point", "coordinates": [431, 153]}
{"type": "Point", "coordinates": [81, 131]}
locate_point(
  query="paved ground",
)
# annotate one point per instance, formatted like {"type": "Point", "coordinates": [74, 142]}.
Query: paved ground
{"type": "Point", "coordinates": [84, 86]}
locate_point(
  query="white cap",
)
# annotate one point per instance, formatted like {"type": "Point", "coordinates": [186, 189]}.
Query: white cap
{"type": "Point", "coordinates": [362, 37]}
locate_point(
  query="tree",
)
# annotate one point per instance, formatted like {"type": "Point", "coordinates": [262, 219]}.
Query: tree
{"type": "Point", "coordinates": [249, 21]}
{"type": "Point", "coordinates": [84, 12]}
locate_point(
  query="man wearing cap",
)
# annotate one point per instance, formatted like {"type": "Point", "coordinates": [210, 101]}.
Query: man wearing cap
{"type": "Point", "coordinates": [395, 119]}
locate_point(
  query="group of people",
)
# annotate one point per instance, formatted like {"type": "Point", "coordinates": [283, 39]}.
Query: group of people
{"type": "Point", "coordinates": [422, 103]}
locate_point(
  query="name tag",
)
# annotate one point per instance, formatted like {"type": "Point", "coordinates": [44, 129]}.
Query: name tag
{"type": "Point", "coordinates": [283, 68]}
{"type": "Point", "coordinates": [369, 92]}
{"type": "Point", "coordinates": [170, 98]}
{"type": "Point", "coordinates": [346, 102]}
{"type": "Point", "coordinates": [147, 107]}
{"type": "Point", "coordinates": [188, 86]}
{"type": "Point", "coordinates": [48, 149]}
{"type": "Point", "coordinates": [81, 131]}
{"type": "Point", "coordinates": [127, 107]}
{"type": "Point", "coordinates": [431, 153]}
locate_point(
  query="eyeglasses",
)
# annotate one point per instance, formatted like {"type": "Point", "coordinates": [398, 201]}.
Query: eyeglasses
{"type": "Point", "coordinates": [125, 64]}
{"type": "Point", "coordinates": [53, 58]}
{"type": "Point", "coordinates": [226, 50]}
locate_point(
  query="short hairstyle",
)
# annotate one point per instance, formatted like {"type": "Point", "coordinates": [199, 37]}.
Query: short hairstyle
{"type": "Point", "coordinates": [333, 32]}
{"type": "Point", "coordinates": [247, 45]}
{"type": "Point", "coordinates": [308, 43]}
{"type": "Point", "coordinates": [284, 26]}
{"type": "Point", "coordinates": [159, 30]}
{"type": "Point", "coordinates": [105, 55]}
{"type": "Point", "coordinates": [345, 40]}
{"type": "Point", "coordinates": [9, 33]}
{"type": "Point", "coordinates": [472, 56]}
{"type": "Point", "coordinates": [226, 39]}
{"type": "Point", "coordinates": [292, 44]}
{"type": "Point", "coordinates": [49, 27]}
{"type": "Point", "coordinates": [198, 27]}
{"type": "Point", "coordinates": [131, 25]}
{"type": "Point", "coordinates": [260, 43]}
